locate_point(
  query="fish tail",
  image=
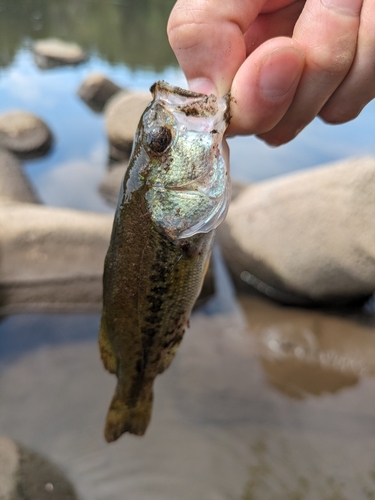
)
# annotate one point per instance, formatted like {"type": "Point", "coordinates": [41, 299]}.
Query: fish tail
{"type": "Point", "coordinates": [106, 352]}
{"type": "Point", "coordinates": [123, 418]}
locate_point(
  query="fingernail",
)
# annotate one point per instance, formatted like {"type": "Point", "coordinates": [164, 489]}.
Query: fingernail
{"type": "Point", "coordinates": [279, 72]}
{"type": "Point", "coordinates": [351, 7]}
{"type": "Point", "coordinates": [202, 86]}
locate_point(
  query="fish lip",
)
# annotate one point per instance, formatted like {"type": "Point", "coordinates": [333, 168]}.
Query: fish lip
{"type": "Point", "coordinates": [191, 104]}
{"type": "Point", "coordinates": [162, 86]}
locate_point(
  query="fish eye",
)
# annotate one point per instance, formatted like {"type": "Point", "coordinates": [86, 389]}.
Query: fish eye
{"type": "Point", "coordinates": [159, 138]}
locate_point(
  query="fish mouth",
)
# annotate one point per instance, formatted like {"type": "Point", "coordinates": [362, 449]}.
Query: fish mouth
{"type": "Point", "coordinates": [162, 86]}
{"type": "Point", "coordinates": [191, 104]}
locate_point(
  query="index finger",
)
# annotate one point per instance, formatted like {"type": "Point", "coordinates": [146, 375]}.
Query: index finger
{"type": "Point", "coordinates": [207, 37]}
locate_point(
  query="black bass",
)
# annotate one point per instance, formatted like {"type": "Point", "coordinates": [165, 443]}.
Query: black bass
{"type": "Point", "coordinates": [174, 194]}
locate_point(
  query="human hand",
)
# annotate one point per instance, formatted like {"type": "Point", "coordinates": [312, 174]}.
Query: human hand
{"type": "Point", "coordinates": [285, 61]}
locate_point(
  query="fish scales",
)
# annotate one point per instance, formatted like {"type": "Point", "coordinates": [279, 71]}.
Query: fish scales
{"type": "Point", "coordinates": [160, 246]}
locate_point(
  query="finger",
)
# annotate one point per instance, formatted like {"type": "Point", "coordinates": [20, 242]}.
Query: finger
{"type": "Point", "coordinates": [207, 38]}
{"type": "Point", "coordinates": [358, 88]}
{"type": "Point", "coordinates": [264, 86]}
{"type": "Point", "coordinates": [327, 32]}
{"type": "Point", "coordinates": [273, 24]}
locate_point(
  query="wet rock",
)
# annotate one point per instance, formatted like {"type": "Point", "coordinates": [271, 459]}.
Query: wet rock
{"type": "Point", "coordinates": [122, 115]}
{"type": "Point", "coordinates": [307, 237]}
{"type": "Point", "coordinates": [111, 184]}
{"type": "Point", "coordinates": [13, 183]}
{"type": "Point", "coordinates": [24, 134]}
{"type": "Point", "coordinates": [96, 89]}
{"type": "Point", "coordinates": [51, 258]}
{"type": "Point", "coordinates": [25, 474]}
{"type": "Point", "coordinates": [52, 52]}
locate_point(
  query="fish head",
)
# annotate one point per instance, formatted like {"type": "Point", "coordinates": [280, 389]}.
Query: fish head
{"type": "Point", "coordinates": [187, 178]}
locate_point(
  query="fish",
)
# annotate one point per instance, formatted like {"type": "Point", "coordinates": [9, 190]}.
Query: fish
{"type": "Point", "coordinates": [175, 192]}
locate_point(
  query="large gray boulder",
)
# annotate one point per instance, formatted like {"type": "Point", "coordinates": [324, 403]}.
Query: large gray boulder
{"type": "Point", "coordinates": [96, 90]}
{"type": "Point", "coordinates": [13, 183]}
{"type": "Point", "coordinates": [52, 52]}
{"type": "Point", "coordinates": [24, 133]}
{"type": "Point", "coordinates": [122, 115]}
{"type": "Point", "coordinates": [26, 475]}
{"type": "Point", "coordinates": [51, 258]}
{"type": "Point", "coordinates": [308, 236]}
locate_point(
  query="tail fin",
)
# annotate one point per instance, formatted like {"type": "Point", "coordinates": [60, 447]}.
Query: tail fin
{"type": "Point", "coordinates": [123, 418]}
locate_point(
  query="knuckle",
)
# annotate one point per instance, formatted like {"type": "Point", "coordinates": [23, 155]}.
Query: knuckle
{"type": "Point", "coordinates": [331, 62]}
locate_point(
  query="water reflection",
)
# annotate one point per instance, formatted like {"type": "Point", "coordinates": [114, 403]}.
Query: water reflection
{"type": "Point", "coordinates": [308, 352]}
{"type": "Point", "coordinates": [120, 31]}
{"type": "Point", "coordinates": [221, 427]}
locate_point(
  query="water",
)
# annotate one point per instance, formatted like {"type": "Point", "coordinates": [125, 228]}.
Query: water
{"type": "Point", "coordinates": [262, 402]}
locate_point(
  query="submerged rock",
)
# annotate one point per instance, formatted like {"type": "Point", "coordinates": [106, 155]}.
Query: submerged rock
{"type": "Point", "coordinates": [24, 133]}
{"type": "Point", "coordinates": [96, 89]}
{"type": "Point", "coordinates": [13, 183]}
{"type": "Point", "coordinates": [52, 52]}
{"type": "Point", "coordinates": [122, 115]}
{"type": "Point", "coordinates": [25, 474]}
{"type": "Point", "coordinates": [306, 237]}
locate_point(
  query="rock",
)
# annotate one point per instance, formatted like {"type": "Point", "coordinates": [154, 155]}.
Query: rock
{"type": "Point", "coordinates": [96, 89]}
{"type": "Point", "coordinates": [24, 134]}
{"type": "Point", "coordinates": [51, 258]}
{"type": "Point", "coordinates": [122, 115]}
{"type": "Point", "coordinates": [111, 184]}
{"type": "Point", "coordinates": [306, 237]}
{"type": "Point", "coordinates": [13, 183]}
{"type": "Point", "coordinates": [52, 52]}
{"type": "Point", "coordinates": [25, 474]}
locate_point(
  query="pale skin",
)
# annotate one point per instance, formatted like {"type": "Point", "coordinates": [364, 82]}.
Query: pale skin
{"type": "Point", "coordinates": [284, 61]}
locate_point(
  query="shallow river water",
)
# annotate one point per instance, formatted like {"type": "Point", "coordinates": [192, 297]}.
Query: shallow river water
{"type": "Point", "coordinates": [262, 402]}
